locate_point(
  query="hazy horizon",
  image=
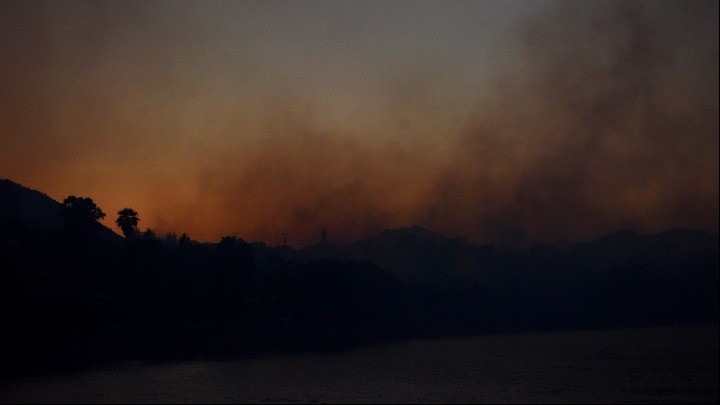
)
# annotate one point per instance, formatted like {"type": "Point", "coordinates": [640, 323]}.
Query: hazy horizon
{"type": "Point", "coordinates": [508, 122]}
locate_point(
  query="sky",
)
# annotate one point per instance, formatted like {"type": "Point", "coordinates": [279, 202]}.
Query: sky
{"type": "Point", "coordinates": [508, 122]}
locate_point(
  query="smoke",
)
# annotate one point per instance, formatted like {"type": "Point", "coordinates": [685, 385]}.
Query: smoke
{"type": "Point", "coordinates": [606, 120]}
{"type": "Point", "coordinates": [294, 178]}
{"type": "Point", "coordinates": [609, 120]}
{"type": "Point", "coordinates": [605, 116]}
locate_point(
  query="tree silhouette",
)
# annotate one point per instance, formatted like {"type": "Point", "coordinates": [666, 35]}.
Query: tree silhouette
{"type": "Point", "coordinates": [149, 236]}
{"type": "Point", "coordinates": [82, 209]}
{"type": "Point", "coordinates": [80, 213]}
{"type": "Point", "coordinates": [127, 221]}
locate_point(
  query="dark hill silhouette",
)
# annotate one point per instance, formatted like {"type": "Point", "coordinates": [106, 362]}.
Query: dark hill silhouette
{"type": "Point", "coordinates": [687, 239]}
{"type": "Point", "coordinates": [39, 212]}
{"type": "Point", "coordinates": [323, 249]}
{"type": "Point", "coordinates": [408, 235]}
{"type": "Point", "coordinates": [623, 239]}
{"type": "Point", "coordinates": [65, 299]}
{"type": "Point", "coordinates": [418, 255]}
{"type": "Point", "coordinates": [623, 247]}
{"type": "Point", "coordinates": [33, 208]}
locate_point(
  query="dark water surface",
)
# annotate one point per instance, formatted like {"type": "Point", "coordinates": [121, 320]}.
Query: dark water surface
{"type": "Point", "coordinates": [659, 365]}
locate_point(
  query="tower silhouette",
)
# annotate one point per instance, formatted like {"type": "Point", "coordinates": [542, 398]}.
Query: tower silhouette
{"type": "Point", "coordinates": [323, 236]}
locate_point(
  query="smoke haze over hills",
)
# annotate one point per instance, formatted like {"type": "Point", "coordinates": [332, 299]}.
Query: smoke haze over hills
{"type": "Point", "coordinates": [563, 122]}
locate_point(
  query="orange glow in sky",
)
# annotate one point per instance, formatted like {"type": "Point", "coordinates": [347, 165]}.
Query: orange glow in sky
{"type": "Point", "coordinates": [507, 122]}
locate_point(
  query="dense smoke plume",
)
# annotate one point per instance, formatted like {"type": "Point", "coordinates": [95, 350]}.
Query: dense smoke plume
{"type": "Point", "coordinates": [609, 120]}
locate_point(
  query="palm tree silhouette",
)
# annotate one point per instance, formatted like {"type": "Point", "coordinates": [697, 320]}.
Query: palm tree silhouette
{"type": "Point", "coordinates": [127, 221]}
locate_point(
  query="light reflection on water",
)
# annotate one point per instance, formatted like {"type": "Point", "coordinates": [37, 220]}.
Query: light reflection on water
{"type": "Point", "coordinates": [668, 365]}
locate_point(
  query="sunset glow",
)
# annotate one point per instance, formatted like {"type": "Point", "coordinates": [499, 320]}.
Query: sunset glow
{"type": "Point", "coordinates": [510, 122]}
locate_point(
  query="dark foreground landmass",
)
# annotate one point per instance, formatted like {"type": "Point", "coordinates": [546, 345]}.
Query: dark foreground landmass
{"type": "Point", "coordinates": [73, 297]}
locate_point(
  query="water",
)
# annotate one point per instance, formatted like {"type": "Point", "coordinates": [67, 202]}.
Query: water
{"type": "Point", "coordinates": [661, 365]}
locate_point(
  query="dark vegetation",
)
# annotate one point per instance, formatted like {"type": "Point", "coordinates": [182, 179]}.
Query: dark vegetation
{"type": "Point", "coordinates": [76, 294]}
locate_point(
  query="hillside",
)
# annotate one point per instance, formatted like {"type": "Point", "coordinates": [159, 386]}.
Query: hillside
{"type": "Point", "coordinates": [37, 210]}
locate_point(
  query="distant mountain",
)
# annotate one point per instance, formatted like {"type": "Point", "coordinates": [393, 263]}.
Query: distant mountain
{"type": "Point", "coordinates": [324, 249]}
{"type": "Point", "coordinates": [406, 235]}
{"type": "Point", "coordinates": [407, 282]}
{"type": "Point", "coordinates": [37, 210]}
{"type": "Point", "coordinates": [420, 255]}
{"type": "Point", "coordinates": [688, 239]}
{"type": "Point", "coordinates": [629, 247]}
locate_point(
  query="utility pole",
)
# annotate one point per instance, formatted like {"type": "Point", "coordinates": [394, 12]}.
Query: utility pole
{"type": "Point", "coordinates": [284, 239]}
